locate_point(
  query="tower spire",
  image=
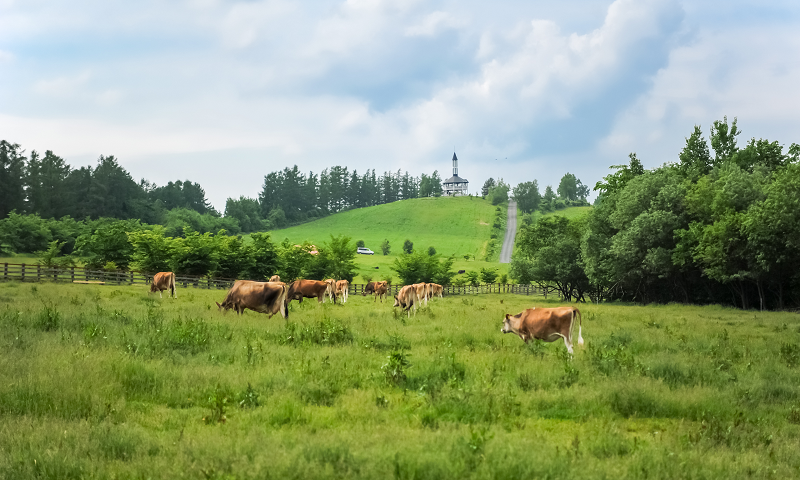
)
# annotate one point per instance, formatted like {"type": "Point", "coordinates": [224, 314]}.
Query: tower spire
{"type": "Point", "coordinates": [455, 165]}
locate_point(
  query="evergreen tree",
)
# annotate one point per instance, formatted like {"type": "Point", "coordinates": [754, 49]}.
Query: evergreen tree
{"type": "Point", "coordinates": [12, 171]}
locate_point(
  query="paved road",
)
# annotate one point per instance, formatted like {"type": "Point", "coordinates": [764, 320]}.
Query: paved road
{"type": "Point", "coordinates": [511, 232]}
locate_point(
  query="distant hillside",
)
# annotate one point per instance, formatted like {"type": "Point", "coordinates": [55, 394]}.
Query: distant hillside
{"type": "Point", "coordinates": [452, 225]}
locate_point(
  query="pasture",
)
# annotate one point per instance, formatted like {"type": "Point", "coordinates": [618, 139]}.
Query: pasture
{"type": "Point", "coordinates": [108, 382]}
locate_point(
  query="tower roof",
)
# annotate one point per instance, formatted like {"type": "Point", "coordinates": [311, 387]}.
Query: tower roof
{"type": "Point", "coordinates": [454, 157]}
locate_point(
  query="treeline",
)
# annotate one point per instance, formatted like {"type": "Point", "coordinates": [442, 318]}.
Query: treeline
{"type": "Point", "coordinates": [290, 196]}
{"type": "Point", "coordinates": [122, 245]}
{"type": "Point", "coordinates": [721, 228]}
{"type": "Point", "coordinates": [45, 185]}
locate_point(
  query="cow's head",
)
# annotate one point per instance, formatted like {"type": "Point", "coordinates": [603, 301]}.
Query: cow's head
{"type": "Point", "coordinates": [224, 307]}
{"type": "Point", "coordinates": [153, 287]}
{"type": "Point", "coordinates": [507, 324]}
{"type": "Point", "coordinates": [397, 302]}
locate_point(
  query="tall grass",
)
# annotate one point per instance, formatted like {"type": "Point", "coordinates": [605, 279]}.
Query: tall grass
{"type": "Point", "coordinates": [101, 382]}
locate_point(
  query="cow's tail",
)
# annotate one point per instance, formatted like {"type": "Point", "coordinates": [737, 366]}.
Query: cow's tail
{"type": "Point", "coordinates": [172, 285]}
{"type": "Point", "coordinates": [576, 312]}
{"type": "Point", "coordinates": [284, 301]}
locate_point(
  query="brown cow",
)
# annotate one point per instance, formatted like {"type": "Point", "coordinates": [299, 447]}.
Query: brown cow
{"type": "Point", "coordinates": [275, 278]}
{"type": "Point", "coordinates": [407, 298]}
{"type": "Point", "coordinates": [378, 289]}
{"type": "Point", "coordinates": [548, 324]}
{"type": "Point", "coordinates": [263, 297]}
{"type": "Point", "coordinates": [164, 281]}
{"type": "Point", "coordinates": [434, 290]}
{"type": "Point", "coordinates": [342, 289]}
{"type": "Point", "coordinates": [331, 291]}
{"type": "Point", "coordinates": [420, 292]}
{"type": "Point", "coordinates": [300, 289]}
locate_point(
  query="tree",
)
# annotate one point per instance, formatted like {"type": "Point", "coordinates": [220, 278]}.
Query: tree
{"type": "Point", "coordinates": [195, 254]}
{"type": "Point", "coordinates": [527, 196]}
{"type": "Point", "coordinates": [431, 251]}
{"type": "Point", "coordinates": [46, 183]}
{"type": "Point", "coordinates": [360, 244]}
{"type": "Point", "coordinates": [488, 275]}
{"type": "Point", "coordinates": [265, 260]}
{"type": "Point", "coordinates": [385, 247]}
{"type": "Point", "coordinates": [616, 181]}
{"type": "Point", "coordinates": [487, 185]}
{"type": "Point", "coordinates": [548, 252]}
{"type": "Point", "coordinates": [568, 187]}
{"type": "Point", "coordinates": [419, 267]}
{"type": "Point", "coordinates": [108, 243]}
{"type": "Point", "coordinates": [246, 211]}
{"type": "Point", "coordinates": [695, 160]}
{"type": "Point", "coordinates": [408, 246]}
{"type": "Point", "coordinates": [548, 200]}
{"type": "Point", "coordinates": [234, 257]}
{"type": "Point", "coordinates": [723, 139]}
{"type": "Point", "coordinates": [341, 258]}
{"type": "Point", "coordinates": [499, 193]}
{"type": "Point", "coordinates": [152, 251]}
{"type": "Point", "coordinates": [12, 169]}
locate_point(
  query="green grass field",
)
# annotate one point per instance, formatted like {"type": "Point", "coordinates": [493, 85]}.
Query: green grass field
{"type": "Point", "coordinates": [108, 382]}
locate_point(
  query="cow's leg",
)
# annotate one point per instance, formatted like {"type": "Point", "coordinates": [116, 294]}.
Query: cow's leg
{"type": "Point", "coordinates": [159, 294]}
{"type": "Point", "coordinates": [568, 344]}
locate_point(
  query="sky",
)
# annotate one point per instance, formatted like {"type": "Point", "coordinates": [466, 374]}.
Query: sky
{"type": "Point", "coordinates": [224, 92]}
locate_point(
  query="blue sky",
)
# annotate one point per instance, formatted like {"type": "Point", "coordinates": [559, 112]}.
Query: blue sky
{"type": "Point", "coordinates": [223, 92]}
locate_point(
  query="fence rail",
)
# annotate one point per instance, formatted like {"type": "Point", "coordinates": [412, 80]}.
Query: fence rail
{"type": "Point", "coordinates": [38, 273]}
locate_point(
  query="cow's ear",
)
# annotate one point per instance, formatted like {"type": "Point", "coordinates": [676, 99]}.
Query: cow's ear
{"type": "Point", "coordinates": [218, 305]}
{"type": "Point", "coordinates": [508, 315]}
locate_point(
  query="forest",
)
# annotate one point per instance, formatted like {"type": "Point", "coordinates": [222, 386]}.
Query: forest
{"type": "Point", "coordinates": [720, 228]}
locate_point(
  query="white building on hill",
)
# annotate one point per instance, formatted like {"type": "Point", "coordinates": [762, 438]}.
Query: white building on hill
{"type": "Point", "coordinates": [455, 185]}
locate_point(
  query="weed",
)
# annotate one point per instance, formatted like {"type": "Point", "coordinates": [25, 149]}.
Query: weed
{"type": "Point", "coordinates": [326, 332]}
{"type": "Point", "coordinates": [249, 398]}
{"type": "Point", "coordinates": [794, 415]}
{"type": "Point", "coordinates": [537, 348]}
{"type": "Point", "coordinates": [739, 433]}
{"type": "Point", "coordinates": [288, 413]}
{"type": "Point", "coordinates": [476, 445]}
{"type": "Point", "coordinates": [49, 319]}
{"type": "Point", "coordinates": [526, 382]}
{"type": "Point", "coordinates": [394, 370]}
{"type": "Point", "coordinates": [92, 332]}
{"type": "Point", "coordinates": [613, 355]}
{"type": "Point", "coordinates": [381, 401]}
{"type": "Point", "coordinates": [570, 372]}
{"type": "Point", "coordinates": [218, 401]}
{"type": "Point", "coordinates": [790, 354]}
{"type": "Point", "coordinates": [338, 457]}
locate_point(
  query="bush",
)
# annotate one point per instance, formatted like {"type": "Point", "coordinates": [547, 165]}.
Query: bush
{"type": "Point", "coordinates": [488, 275]}
{"type": "Point", "coordinates": [385, 247]}
{"type": "Point", "coordinates": [431, 251]}
{"type": "Point", "coordinates": [360, 244]}
{"type": "Point", "coordinates": [408, 246]}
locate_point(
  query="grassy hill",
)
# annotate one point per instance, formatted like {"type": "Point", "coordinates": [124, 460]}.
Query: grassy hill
{"type": "Point", "coordinates": [452, 225]}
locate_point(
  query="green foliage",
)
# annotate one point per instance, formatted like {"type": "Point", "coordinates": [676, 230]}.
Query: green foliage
{"type": "Point", "coordinates": [195, 254]}
{"type": "Point", "coordinates": [108, 243]}
{"type": "Point", "coordinates": [246, 212]}
{"type": "Point", "coordinates": [473, 278]}
{"type": "Point", "coordinates": [51, 257]}
{"type": "Point", "coordinates": [419, 267]}
{"type": "Point", "coordinates": [325, 332]}
{"type": "Point", "coordinates": [385, 247]}
{"type": "Point", "coordinates": [431, 251]}
{"type": "Point", "coordinates": [499, 193]}
{"type": "Point", "coordinates": [570, 189]}
{"type": "Point", "coordinates": [408, 247]}
{"type": "Point", "coordinates": [394, 370]}
{"type": "Point", "coordinates": [264, 259]}
{"type": "Point", "coordinates": [360, 244]}
{"type": "Point", "coordinates": [177, 220]}
{"type": "Point", "coordinates": [527, 196]}
{"type": "Point", "coordinates": [488, 275]}
{"type": "Point", "coordinates": [152, 251]}
{"type": "Point", "coordinates": [235, 258]}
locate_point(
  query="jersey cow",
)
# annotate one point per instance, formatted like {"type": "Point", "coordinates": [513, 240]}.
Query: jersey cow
{"type": "Point", "coordinates": [377, 289]}
{"type": "Point", "coordinates": [434, 290]}
{"type": "Point", "coordinates": [407, 299]}
{"type": "Point", "coordinates": [300, 289]}
{"type": "Point", "coordinates": [263, 297]}
{"type": "Point", "coordinates": [548, 324]}
{"type": "Point", "coordinates": [342, 289]}
{"type": "Point", "coordinates": [275, 278]}
{"type": "Point", "coordinates": [164, 281]}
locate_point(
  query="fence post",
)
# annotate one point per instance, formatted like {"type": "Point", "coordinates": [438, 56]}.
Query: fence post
{"type": "Point", "coordinates": [5, 272]}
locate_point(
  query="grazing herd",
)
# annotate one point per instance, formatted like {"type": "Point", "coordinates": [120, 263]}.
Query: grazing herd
{"type": "Point", "coordinates": [547, 324]}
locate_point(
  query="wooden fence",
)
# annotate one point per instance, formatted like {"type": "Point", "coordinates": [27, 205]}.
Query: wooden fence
{"type": "Point", "coordinates": [38, 273]}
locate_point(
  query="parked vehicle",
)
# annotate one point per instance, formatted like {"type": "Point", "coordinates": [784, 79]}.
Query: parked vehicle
{"type": "Point", "coordinates": [364, 251]}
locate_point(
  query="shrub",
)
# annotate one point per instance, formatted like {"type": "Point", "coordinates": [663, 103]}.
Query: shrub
{"type": "Point", "coordinates": [385, 247]}
{"type": "Point", "coordinates": [394, 370]}
{"type": "Point", "coordinates": [488, 275]}
{"type": "Point", "coordinates": [360, 244]}
{"type": "Point", "coordinates": [431, 251]}
{"type": "Point", "coordinates": [408, 246]}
